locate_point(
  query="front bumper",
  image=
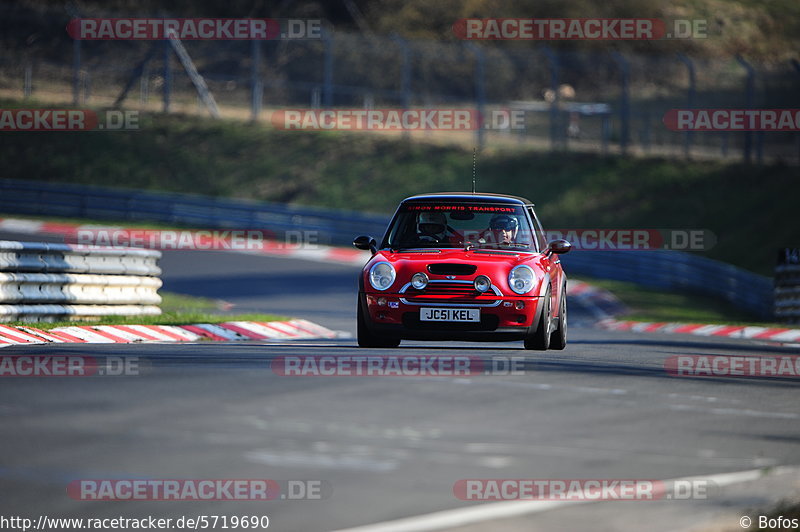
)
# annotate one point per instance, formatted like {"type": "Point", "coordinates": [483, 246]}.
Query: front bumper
{"type": "Point", "coordinates": [392, 315]}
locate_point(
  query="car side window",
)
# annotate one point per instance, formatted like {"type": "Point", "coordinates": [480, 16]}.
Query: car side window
{"type": "Point", "coordinates": [537, 227]}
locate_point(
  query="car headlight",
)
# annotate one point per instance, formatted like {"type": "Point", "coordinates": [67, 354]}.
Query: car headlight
{"type": "Point", "coordinates": [482, 283]}
{"type": "Point", "coordinates": [381, 275]}
{"type": "Point", "coordinates": [521, 279]}
{"type": "Point", "coordinates": [419, 280]}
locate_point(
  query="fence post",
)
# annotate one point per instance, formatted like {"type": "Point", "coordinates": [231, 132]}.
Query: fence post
{"type": "Point", "coordinates": [327, 95]}
{"type": "Point", "coordinates": [606, 135]}
{"type": "Point", "coordinates": [625, 105]}
{"type": "Point", "coordinates": [690, 95]}
{"type": "Point", "coordinates": [144, 86]}
{"type": "Point", "coordinates": [405, 71]}
{"type": "Point", "coordinates": [27, 84]}
{"type": "Point", "coordinates": [552, 60]}
{"type": "Point", "coordinates": [86, 84]}
{"type": "Point", "coordinates": [316, 97]}
{"type": "Point", "coordinates": [140, 71]}
{"type": "Point", "coordinates": [796, 65]}
{"type": "Point", "coordinates": [750, 94]}
{"type": "Point", "coordinates": [645, 136]}
{"type": "Point", "coordinates": [167, 75]}
{"type": "Point", "coordinates": [76, 71]}
{"type": "Point", "coordinates": [255, 80]}
{"type": "Point", "coordinates": [405, 75]}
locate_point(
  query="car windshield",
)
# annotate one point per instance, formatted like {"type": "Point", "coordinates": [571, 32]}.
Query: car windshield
{"type": "Point", "coordinates": [460, 225]}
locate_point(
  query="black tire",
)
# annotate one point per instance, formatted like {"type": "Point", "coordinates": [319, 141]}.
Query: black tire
{"type": "Point", "coordinates": [539, 340]}
{"type": "Point", "coordinates": [558, 339]}
{"type": "Point", "coordinates": [365, 336]}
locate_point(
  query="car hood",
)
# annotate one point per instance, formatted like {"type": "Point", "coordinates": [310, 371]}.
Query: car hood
{"type": "Point", "coordinates": [458, 256]}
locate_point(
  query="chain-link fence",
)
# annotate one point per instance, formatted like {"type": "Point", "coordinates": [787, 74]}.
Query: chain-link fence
{"type": "Point", "coordinates": [585, 101]}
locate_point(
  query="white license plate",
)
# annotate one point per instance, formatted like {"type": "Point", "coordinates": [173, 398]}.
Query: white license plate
{"type": "Point", "coordinates": [449, 314]}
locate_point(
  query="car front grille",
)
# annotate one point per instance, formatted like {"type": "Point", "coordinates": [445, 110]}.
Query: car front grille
{"type": "Point", "coordinates": [443, 268]}
{"type": "Point", "coordinates": [450, 293]}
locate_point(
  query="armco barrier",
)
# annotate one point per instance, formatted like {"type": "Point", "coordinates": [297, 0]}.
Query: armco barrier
{"type": "Point", "coordinates": [39, 198]}
{"type": "Point", "coordinates": [43, 257]}
{"type": "Point", "coordinates": [40, 281]}
{"type": "Point", "coordinates": [787, 285]}
{"type": "Point", "coordinates": [669, 270]}
{"type": "Point", "coordinates": [78, 288]}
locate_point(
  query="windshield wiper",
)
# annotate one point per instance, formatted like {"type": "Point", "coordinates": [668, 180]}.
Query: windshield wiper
{"type": "Point", "coordinates": [500, 246]}
{"type": "Point", "coordinates": [416, 248]}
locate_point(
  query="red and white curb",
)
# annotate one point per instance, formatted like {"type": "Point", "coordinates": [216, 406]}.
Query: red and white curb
{"type": "Point", "coordinates": [231, 331]}
{"type": "Point", "coordinates": [317, 252]}
{"type": "Point", "coordinates": [700, 329]}
{"type": "Point", "coordinates": [599, 301]}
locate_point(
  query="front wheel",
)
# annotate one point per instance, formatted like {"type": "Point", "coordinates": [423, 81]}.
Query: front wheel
{"type": "Point", "coordinates": [558, 340]}
{"type": "Point", "coordinates": [365, 336]}
{"type": "Point", "coordinates": [539, 340]}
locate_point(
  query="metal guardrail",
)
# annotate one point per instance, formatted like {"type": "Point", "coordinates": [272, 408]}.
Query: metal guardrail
{"type": "Point", "coordinates": [40, 281]}
{"type": "Point", "coordinates": [64, 258]}
{"type": "Point", "coordinates": [660, 269]}
{"type": "Point", "coordinates": [668, 270]}
{"type": "Point", "coordinates": [38, 198]}
{"type": "Point", "coordinates": [787, 285]}
{"type": "Point", "coordinates": [78, 288]}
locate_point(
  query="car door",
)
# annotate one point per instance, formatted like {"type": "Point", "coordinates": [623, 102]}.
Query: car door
{"type": "Point", "coordinates": [552, 264]}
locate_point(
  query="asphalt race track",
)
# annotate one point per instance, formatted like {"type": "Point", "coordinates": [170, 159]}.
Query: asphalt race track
{"type": "Point", "coordinates": [386, 448]}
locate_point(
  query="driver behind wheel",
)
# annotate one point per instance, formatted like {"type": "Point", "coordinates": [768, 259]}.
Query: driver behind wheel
{"type": "Point", "coordinates": [503, 229]}
{"type": "Point", "coordinates": [431, 227]}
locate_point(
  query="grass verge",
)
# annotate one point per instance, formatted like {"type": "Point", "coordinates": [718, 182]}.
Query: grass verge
{"type": "Point", "coordinates": [177, 309]}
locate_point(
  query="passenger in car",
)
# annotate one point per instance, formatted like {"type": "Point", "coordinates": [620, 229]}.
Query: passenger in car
{"type": "Point", "coordinates": [502, 229]}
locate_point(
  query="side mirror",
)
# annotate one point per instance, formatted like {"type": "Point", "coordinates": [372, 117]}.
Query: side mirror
{"type": "Point", "coordinates": [559, 246]}
{"type": "Point", "coordinates": [366, 243]}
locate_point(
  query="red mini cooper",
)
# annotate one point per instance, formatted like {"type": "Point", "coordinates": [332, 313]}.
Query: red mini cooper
{"type": "Point", "coordinates": [462, 266]}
